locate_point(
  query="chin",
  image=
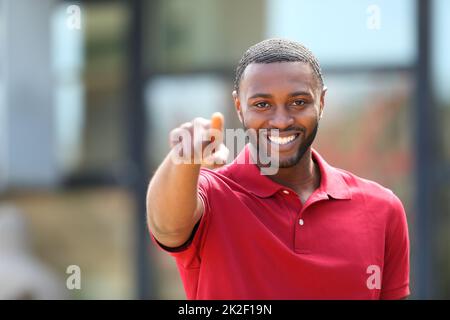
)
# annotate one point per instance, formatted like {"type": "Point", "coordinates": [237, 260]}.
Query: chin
{"type": "Point", "coordinates": [288, 163]}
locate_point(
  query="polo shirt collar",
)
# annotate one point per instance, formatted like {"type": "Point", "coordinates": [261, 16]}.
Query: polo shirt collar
{"type": "Point", "coordinates": [248, 175]}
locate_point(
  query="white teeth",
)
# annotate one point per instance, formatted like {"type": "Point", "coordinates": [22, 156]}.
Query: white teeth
{"type": "Point", "coordinates": [282, 140]}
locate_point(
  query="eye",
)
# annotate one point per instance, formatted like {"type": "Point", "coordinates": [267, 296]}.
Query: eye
{"type": "Point", "coordinates": [299, 103]}
{"type": "Point", "coordinates": [261, 105]}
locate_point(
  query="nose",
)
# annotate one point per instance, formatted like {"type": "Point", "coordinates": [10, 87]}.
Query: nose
{"type": "Point", "coordinates": [281, 119]}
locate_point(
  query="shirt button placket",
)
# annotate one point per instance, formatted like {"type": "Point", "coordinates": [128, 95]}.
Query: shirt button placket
{"type": "Point", "coordinates": [300, 221]}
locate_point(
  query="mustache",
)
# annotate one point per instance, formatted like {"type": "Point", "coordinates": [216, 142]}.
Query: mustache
{"type": "Point", "coordinates": [289, 129]}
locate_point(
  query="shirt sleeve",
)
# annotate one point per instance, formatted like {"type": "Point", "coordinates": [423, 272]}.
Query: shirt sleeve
{"type": "Point", "coordinates": [395, 280]}
{"type": "Point", "coordinates": [188, 254]}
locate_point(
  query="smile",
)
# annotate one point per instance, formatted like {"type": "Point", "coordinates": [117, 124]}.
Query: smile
{"type": "Point", "coordinates": [283, 140]}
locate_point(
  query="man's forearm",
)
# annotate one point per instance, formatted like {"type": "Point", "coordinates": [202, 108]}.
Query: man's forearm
{"type": "Point", "coordinates": [172, 197]}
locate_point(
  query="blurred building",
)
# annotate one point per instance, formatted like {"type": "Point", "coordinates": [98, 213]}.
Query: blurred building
{"type": "Point", "coordinates": [80, 109]}
{"type": "Point", "coordinates": [23, 276]}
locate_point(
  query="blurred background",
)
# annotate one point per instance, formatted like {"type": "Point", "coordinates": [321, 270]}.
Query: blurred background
{"type": "Point", "coordinates": [89, 91]}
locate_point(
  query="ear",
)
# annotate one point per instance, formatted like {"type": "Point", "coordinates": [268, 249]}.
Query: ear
{"type": "Point", "coordinates": [237, 105]}
{"type": "Point", "coordinates": [322, 101]}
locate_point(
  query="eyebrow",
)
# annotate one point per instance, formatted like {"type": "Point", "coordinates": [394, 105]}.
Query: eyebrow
{"type": "Point", "coordinates": [293, 94]}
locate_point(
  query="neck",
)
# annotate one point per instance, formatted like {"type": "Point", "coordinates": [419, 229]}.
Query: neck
{"type": "Point", "coordinates": [303, 178]}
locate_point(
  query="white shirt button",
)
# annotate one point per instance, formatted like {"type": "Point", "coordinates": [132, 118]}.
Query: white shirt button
{"type": "Point", "coordinates": [301, 222]}
{"type": "Point", "coordinates": [285, 192]}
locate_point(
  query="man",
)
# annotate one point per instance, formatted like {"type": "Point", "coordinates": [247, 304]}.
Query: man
{"type": "Point", "coordinates": [310, 231]}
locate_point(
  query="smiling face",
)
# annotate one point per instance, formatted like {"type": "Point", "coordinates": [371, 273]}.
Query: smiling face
{"type": "Point", "coordinates": [282, 95]}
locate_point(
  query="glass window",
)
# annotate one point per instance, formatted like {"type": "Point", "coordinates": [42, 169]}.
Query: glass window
{"type": "Point", "coordinates": [67, 62]}
{"type": "Point", "coordinates": [441, 70]}
{"type": "Point", "coordinates": [200, 34]}
{"type": "Point", "coordinates": [105, 76]}
{"type": "Point", "coordinates": [347, 32]}
{"type": "Point", "coordinates": [3, 122]}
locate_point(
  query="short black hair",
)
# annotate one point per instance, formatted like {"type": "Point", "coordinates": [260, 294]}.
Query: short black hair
{"type": "Point", "coordinates": [277, 50]}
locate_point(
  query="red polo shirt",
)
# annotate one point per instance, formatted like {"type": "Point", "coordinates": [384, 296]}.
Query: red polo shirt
{"type": "Point", "coordinates": [257, 241]}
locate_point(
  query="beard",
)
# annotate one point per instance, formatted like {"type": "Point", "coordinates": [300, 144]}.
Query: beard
{"type": "Point", "coordinates": [302, 148]}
